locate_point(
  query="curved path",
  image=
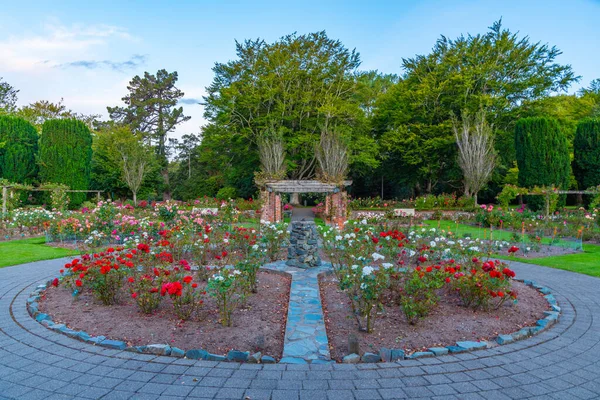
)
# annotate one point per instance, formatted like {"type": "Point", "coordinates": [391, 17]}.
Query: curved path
{"type": "Point", "coordinates": [562, 362]}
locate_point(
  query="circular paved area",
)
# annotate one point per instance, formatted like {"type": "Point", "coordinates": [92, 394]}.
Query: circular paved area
{"type": "Point", "coordinates": [562, 362]}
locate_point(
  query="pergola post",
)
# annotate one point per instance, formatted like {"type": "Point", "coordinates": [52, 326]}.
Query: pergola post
{"type": "Point", "coordinates": [4, 195]}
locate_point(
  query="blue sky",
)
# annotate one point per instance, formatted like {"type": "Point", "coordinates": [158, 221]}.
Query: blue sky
{"type": "Point", "coordinates": [86, 52]}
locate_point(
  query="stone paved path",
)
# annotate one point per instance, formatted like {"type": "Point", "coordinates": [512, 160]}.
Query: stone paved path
{"type": "Point", "coordinates": [561, 363]}
{"type": "Point", "coordinates": [302, 212]}
{"type": "Point", "coordinates": [305, 334]}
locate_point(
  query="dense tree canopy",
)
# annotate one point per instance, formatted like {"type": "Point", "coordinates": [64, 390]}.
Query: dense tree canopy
{"type": "Point", "coordinates": [295, 87]}
{"type": "Point", "coordinates": [497, 71]}
{"type": "Point", "coordinates": [586, 162]}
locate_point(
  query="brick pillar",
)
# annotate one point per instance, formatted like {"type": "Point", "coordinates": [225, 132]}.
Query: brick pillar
{"type": "Point", "coordinates": [339, 205]}
{"type": "Point", "coordinates": [327, 207]}
{"type": "Point", "coordinates": [268, 206]}
{"type": "Point", "coordinates": [278, 208]}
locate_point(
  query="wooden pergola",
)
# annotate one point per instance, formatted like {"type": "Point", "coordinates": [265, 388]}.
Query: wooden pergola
{"type": "Point", "coordinates": [336, 202]}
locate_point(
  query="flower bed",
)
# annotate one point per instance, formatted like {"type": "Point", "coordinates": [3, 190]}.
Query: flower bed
{"type": "Point", "coordinates": [429, 288]}
{"type": "Point", "coordinates": [446, 325]}
{"type": "Point", "coordinates": [257, 326]}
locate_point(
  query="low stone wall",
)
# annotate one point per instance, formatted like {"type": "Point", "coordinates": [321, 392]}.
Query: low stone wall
{"type": "Point", "coordinates": [304, 248]}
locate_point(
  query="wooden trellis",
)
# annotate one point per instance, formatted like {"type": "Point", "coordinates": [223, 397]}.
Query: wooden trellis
{"type": "Point", "coordinates": [5, 193]}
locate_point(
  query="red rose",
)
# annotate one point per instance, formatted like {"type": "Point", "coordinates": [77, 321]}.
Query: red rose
{"type": "Point", "coordinates": [55, 282]}
{"type": "Point", "coordinates": [134, 295]}
{"type": "Point", "coordinates": [429, 269]}
{"type": "Point", "coordinates": [448, 280]}
{"type": "Point", "coordinates": [131, 279]}
{"type": "Point", "coordinates": [194, 285]}
{"type": "Point", "coordinates": [187, 279]}
{"type": "Point", "coordinates": [78, 283]}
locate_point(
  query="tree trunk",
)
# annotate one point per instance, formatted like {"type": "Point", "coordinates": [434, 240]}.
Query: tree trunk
{"type": "Point", "coordinates": [135, 199]}
{"type": "Point", "coordinates": [166, 190]}
{"type": "Point", "coordinates": [295, 199]}
{"type": "Point", "coordinates": [475, 198]}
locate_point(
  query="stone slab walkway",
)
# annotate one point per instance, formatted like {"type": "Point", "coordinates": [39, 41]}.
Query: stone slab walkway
{"type": "Point", "coordinates": [561, 363]}
{"type": "Point", "coordinates": [305, 334]}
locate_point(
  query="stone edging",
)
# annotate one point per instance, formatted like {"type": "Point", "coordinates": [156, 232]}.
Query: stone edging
{"type": "Point", "coordinates": [155, 349]}
{"type": "Point", "coordinates": [391, 355]}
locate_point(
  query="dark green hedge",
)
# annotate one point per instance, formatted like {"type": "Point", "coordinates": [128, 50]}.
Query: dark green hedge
{"type": "Point", "coordinates": [586, 149]}
{"type": "Point", "coordinates": [18, 150]}
{"type": "Point", "coordinates": [65, 155]}
{"type": "Point", "coordinates": [542, 156]}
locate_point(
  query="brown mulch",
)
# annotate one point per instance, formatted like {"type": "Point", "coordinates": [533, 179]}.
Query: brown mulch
{"type": "Point", "coordinates": [448, 323]}
{"type": "Point", "coordinates": [259, 325]}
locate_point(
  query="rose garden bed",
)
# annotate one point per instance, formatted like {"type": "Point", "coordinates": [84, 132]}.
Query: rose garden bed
{"type": "Point", "coordinates": [447, 324]}
{"type": "Point", "coordinates": [257, 325]}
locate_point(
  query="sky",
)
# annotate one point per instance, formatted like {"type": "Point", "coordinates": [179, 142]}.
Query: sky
{"type": "Point", "coordinates": [86, 52]}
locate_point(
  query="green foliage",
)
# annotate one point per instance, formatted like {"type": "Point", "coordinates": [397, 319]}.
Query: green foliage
{"type": "Point", "coordinates": [18, 150]}
{"type": "Point", "coordinates": [65, 155]}
{"type": "Point", "coordinates": [150, 111]}
{"type": "Point", "coordinates": [418, 295]}
{"type": "Point", "coordinates": [59, 198]}
{"type": "Point", "coordinates": [508, 194]}
{"type": "Point", "coordinates": [586, 148]}
{"type": "Point", "coordinates": [227, 193]}
{"type": "Point", "coordinates": [413, 117]}
{"type": "Point", "coordinates": [8, 97]}
{"type": "Point", "coordinates": [542, 156]}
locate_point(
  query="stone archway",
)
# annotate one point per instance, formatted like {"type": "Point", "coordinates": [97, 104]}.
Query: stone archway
{"type": "Point", "coordinates": [336, 202]}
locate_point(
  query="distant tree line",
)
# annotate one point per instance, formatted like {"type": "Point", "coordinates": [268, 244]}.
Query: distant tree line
{"type": "Point", "coordinates": [477, 112]}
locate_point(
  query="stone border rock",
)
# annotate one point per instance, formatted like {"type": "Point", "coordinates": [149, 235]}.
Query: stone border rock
{"type": "Point", "coordinates": [155, 349]}
{"type": "Point", "coordinates": [391, 355]}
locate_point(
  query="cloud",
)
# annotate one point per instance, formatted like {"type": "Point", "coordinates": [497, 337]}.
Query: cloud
{"type": "Point", "coordinates": [135, 61]}
{"type": "Point", "coordinates": [189, 101]}
{"type": "Point", "coordinates": [59, 44]}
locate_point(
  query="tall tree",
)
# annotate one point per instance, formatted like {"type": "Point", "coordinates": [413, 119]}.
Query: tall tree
{"type": "Point", "coordinates": [295, 87]}
{"type": "Point", "coordinates": [65, 155]}
{"type": "Point", "coordinates": [184, 150]}
{"type": "Point", "coordinates": [8, 97]}
{"type": "Point", "coordinates": [150, 110]}
{"type": "Point", "coordinates": [496, 71]}
{"type": "Point", "coordinates": [18, 150]}
{"type": "Point", "coordinates": [476, 153]}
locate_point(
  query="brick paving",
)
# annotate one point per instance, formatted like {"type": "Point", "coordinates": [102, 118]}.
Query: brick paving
{"type": "Point", "coordinates": [560, 363]}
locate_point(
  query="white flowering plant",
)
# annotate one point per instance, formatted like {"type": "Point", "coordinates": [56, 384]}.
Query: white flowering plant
{"type": "Point", "coordinates": [227, 287]}
{"type": "Point", "coordinates": [273, 237]}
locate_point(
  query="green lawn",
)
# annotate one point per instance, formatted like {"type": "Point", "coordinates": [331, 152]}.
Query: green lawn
{"type": "Point", "coordinates": [462, 230]}
{"type": "Point", "coordinates": [16, 252]}
{"type": "Point", "coordinates": [586, 262]}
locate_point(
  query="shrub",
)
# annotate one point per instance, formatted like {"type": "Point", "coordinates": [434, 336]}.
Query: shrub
{"type": "Point", "coordinates": [227, 193]}
{"type": "Point", "coordinates": [364, 286]}
{"type": "Point", "coordinates": [418, 292]}
{"type": "Point", "coordinates": [542, 156]}
{"type": "Point", "coordinates": [226, 287]}
{"type": "Point", "coordinates": [482, 284]}
{"type": "Point", "coordinates": [65, 155]}
{"type": "Point", "coordinates": [101, 273]}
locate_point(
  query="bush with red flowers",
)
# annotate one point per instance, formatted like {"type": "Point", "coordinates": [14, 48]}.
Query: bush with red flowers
{"type": "Point", "coordinates": [483, 284]}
